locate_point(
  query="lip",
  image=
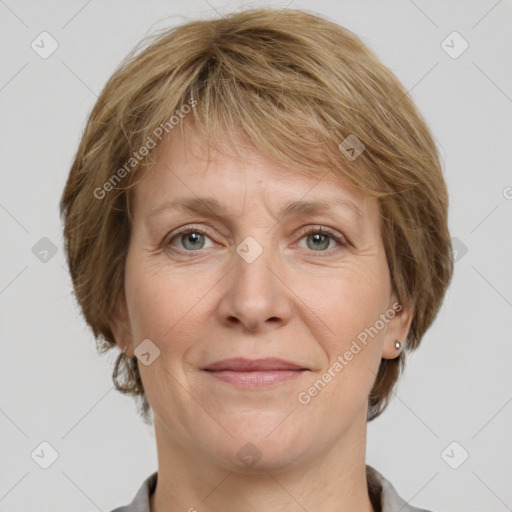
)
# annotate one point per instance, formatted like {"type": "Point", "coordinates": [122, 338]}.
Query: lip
{"type": "Point", "coordinates": [255, 373]}
{"type": "Point", "coordinates": [241, 364]}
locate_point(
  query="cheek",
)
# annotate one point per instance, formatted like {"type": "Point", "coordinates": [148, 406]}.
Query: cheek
{"type": "Point", "coordinates": [350, 299]}
{"type": "Point", "coordinates": [351, 346]}
{"type": "Point", "coordinates": [152, 305]}
{"type": "Point", "coordinates": [164, 303]}
{"type": "Point", "coordinates": [347, 311]}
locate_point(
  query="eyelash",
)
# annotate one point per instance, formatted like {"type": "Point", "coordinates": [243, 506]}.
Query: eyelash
{"type": "Point", "coordinates": [340, 240]}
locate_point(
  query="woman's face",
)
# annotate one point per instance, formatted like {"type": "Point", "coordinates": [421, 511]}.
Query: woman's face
{"type": "Point", "coordinates": [245, 272]}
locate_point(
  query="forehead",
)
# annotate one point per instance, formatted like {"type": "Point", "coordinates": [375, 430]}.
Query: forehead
{"type": "Point", "coordinates": [191, 167]}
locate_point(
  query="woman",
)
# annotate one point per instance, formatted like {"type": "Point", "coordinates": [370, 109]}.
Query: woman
{"type": "Point", "coordinates": [257, 217]}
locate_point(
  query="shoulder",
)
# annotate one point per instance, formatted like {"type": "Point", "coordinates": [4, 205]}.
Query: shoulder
{"type": "Point", "coordinates": [384, 494]}
{"type": "Point", "coordinates": [141, 500]}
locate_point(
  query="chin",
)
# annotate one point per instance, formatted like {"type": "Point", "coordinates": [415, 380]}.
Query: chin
{"type": "Point", "coordinates": [260, 446]}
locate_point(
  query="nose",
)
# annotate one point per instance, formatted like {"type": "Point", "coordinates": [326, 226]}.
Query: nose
{"type": "Point", "coordinates": [255, 297]}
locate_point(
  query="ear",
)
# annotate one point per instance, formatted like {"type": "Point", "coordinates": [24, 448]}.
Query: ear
{"type": "Point", "coordinates": [398, 327]}
{"type": "Point", "coordinates": [120, 325]}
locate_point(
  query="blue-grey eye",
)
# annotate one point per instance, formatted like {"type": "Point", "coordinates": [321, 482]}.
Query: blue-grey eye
{"type": "Point", "coordinates": [320, 241]}
{"type": "Point", "coordinates": [192, 240]}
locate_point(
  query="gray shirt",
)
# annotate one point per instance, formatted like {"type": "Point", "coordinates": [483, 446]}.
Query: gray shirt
{"type": "Point", "coordinates": [382, 494]}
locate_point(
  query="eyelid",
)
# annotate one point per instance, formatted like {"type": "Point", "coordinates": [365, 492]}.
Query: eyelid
{"type": "Point", "coordinates": [340, 239]}
{"type": "Point", "coordinates": [323, 229]}
{"type": "Point", "coordinates": [189, 228]}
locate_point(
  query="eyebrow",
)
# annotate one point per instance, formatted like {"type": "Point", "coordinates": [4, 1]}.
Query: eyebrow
{"type": "Point", "coordinates": [213, 207]}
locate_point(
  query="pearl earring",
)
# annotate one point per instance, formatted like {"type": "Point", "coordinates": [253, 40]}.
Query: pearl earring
{"type": "Point", "coordinates": [398, 345]}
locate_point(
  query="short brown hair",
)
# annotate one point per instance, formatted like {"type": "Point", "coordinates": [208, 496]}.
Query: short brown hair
{"type": "Point", "coordinates": [295, 85]}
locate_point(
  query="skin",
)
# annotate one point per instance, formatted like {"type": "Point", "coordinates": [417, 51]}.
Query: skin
{"type": "Point", "coordinates": [292, 302]}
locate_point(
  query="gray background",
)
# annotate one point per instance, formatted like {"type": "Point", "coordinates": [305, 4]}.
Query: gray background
{"type": "Point", "coordinates": [55, 388]}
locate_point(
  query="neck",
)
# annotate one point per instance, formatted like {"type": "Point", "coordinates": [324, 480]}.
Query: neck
{"type": "Point", "coordinates": [333, 480]}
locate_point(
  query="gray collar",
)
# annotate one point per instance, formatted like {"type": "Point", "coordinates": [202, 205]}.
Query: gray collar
{"type": "Point", "coordinates": [382, 493]}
